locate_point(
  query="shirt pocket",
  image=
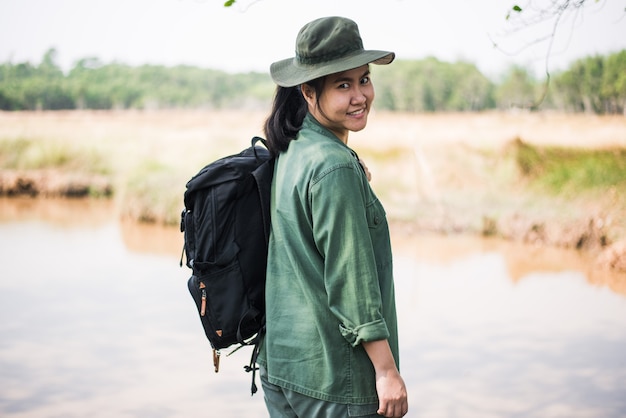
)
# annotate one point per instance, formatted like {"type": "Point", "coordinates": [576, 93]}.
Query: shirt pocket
{"type": "Point", "coordinates": [375, 214]}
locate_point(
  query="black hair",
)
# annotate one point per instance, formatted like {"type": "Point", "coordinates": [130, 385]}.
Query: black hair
{"type": "Point", "coordinates": [288, 111]}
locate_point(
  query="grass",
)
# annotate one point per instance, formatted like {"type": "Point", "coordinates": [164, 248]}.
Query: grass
{"type": "Point", "coordinates": [152, 193]}
{"type": "Point", "coordinates": [39, 154]}
{"type": "Point", "coordinates": [570, 171]}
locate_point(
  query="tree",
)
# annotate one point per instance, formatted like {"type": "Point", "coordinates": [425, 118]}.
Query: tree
{"type": "Point", "coordinates": [472, 90]}
{"type": "Point", "coordinates": [614, 83]}
{"type": "Point", "coordinates": [430, 85]}
{"type": "Point", "coordinates": [548, 15]}
{"type": "Point", "coordinates": [49, 68]}
{"type": "Point", "coordinates": [517, 90]}
{"type": "Point", "coordinates": [594, 84]}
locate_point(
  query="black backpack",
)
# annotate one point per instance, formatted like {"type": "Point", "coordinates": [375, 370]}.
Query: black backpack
{"type": "Point", "coordinates": [226, 230]}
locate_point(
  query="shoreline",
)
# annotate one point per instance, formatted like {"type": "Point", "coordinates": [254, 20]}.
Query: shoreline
{"type": "Point", "coordinates": [588, 236]}
{"type": "Point", "coordinates": [445, 174]}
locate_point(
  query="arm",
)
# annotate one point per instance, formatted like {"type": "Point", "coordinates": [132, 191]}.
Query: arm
{"type": "Point", "coordinates": [392, 395]}
{"type": "Point", "coordinates": [343, 237]}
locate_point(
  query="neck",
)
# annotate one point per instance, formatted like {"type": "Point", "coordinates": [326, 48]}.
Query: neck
{"type": "Point", "coordinates": [342, 135]}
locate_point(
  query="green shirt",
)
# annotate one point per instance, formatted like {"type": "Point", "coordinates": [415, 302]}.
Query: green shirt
{"type": "Point", "coordinates": [329, 274]}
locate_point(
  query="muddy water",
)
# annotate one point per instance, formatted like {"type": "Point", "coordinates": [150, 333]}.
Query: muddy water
{"type": "Point", "coordinates": [95, 320]}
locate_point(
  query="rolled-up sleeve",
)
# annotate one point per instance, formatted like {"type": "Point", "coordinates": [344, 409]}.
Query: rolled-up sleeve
{"type": "Point", "coordinates": [373, 331]}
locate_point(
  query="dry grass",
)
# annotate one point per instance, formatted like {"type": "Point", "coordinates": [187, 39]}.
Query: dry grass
{"type": "Point", "coordinates": [158, 131]}
{"type": "Point", "coordinates": [443, 172]}
{"type": "Point", "coordinates": [494, 129]}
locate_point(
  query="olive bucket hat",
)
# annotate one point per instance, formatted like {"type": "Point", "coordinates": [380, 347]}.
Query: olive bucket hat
{"type": "Point", "coordinates": [326, 46]}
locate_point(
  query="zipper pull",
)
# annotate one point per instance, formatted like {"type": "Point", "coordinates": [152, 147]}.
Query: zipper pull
{"type": "Point", "coordinates": [216, 359]}
{"type": "Point", "coordinates": [203, 304]}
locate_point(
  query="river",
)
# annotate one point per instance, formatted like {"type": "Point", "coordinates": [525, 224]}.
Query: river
{"type": "Point", "coordinates": [96, 321]}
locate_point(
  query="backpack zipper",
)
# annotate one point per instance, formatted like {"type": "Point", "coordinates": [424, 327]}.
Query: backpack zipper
{"type": "Point", "coordinates": [203, 304]}
{"type": "Point", "coordinates": [216, 353]}
{"type": "Point", "coordinates": [216, 359]}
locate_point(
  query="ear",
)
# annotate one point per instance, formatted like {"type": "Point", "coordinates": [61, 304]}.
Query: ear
{"type": "Point", "coordinates": [308, 93]}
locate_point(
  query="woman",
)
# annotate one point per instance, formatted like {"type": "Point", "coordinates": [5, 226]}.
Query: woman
{"type": "Point", "coordinates": [331, 346]}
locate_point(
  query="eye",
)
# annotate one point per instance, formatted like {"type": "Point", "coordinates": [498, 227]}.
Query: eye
{"type": "Point", "coordinates": [343, 86]}
{"type": "Point", "coordinates": [365, 80]}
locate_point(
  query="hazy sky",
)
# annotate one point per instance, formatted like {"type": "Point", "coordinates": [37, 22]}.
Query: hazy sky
{"type": "Point", "coordinates": [204, 33]}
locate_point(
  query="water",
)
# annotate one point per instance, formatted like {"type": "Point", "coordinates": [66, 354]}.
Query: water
{"type": "Point", "coordinates": [96, 320]}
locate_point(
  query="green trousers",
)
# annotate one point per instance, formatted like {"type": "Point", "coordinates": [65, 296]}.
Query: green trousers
{"type": "Point", "coordinates": [285, 403]}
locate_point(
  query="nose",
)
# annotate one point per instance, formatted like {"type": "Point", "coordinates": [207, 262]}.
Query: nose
{"type": "Point", "coordinates": [359, 96]}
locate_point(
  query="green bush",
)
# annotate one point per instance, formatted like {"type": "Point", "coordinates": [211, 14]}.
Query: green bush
{"type": "Point", "coordinates": [571, 170]}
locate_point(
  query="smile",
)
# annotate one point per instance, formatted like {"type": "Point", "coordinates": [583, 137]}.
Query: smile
{"type": "Point", "coordinates": [357, 112]}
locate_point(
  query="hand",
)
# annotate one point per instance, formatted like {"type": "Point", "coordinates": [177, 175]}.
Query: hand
{"type": "Point", "coordinates": [367, 171]}
{"type": "Point", "coordinates": [392, 395]}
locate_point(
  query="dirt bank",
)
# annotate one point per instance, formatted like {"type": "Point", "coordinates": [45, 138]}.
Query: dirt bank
{"type": "Point", "coordinates": [52, 183]}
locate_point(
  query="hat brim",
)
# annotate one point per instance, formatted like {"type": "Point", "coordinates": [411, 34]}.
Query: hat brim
{"type": "Point", "coordinates": [290, 73]}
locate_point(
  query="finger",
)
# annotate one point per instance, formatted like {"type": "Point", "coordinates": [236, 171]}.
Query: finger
{"type": "Point", "coordinates": [389, 411]}
{"type": "Point", "coordinates": [366, 170]}
{"type": "Point", "coordinates": [396, 411]}
{"type": "Point", "coordinates": [382, 410]}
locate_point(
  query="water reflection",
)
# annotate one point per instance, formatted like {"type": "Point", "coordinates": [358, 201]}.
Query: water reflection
{"type": "Point", "coordinates": [96, 321]}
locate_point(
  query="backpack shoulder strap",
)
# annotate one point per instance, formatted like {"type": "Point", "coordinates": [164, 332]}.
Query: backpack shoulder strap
{"type": "Point", "coordinates": [263, 176]}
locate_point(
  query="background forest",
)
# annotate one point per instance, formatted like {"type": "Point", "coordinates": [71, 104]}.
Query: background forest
{"type": "Point", "coordinates": [595, 84]}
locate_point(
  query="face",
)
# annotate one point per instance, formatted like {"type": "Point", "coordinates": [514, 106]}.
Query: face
{"type": "Point", "coordinates": [344, 103]}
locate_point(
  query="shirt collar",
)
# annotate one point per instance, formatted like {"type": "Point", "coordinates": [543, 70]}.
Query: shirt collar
{"type": "Point", "coordinates": [311, 123]}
